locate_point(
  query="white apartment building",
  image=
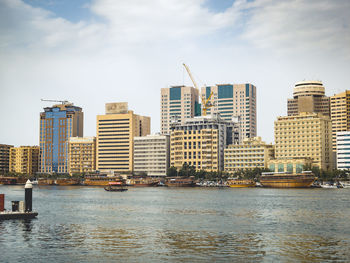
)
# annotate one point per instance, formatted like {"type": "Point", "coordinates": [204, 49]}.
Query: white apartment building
{"type": "Point", "coordinates": [343, 150]}
{"type": "Point", "coordinates": [152, 154]}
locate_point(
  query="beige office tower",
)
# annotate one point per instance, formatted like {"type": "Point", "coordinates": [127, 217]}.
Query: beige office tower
{"type": "Point", "coordinates": [24, 159]}
{"type": "Point", "coordinates": [200, 142]}
{"type": "Point", "coordinates": [152, 154]}
{"type": "Point", "coordinates": [115, 137]}
{"type": "Point", "coordinates": [252, 153]}
{"type": "Point", "coordinates": [305, 135]}
{"type": "Point", "coordinates": [81, 155]}
{"type": "Point", "coordinates": [340, 114]}
{"type": "Point", "coordinates": [308, 96]}
{"type": "Point", "coordinates": [234, 101]}
{"type": "Point", "coordinates": [178, 101]}
{"type": "Point", "coordinates": [5, 158]}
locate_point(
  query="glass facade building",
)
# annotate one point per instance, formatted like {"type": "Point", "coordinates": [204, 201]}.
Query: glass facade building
{"type": "Point", "coordinates": [234, 101]}
{"type": "Point", "coordinates": [57, 124]}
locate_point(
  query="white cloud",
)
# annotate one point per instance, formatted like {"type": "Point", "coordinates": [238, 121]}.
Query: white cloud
{"type": "Point", "coordinates": [298, 25]}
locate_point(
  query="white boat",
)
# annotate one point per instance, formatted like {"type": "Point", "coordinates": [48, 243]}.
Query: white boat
{"type": "Point", "coordinates": [329, 186]}
{"type": "Point", "coordinates": [345, 184]}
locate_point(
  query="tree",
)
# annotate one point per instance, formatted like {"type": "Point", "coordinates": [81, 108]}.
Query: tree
{"type": "Point", "coordinates": [171, 172]}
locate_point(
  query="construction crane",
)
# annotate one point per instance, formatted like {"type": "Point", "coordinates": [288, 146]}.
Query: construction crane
{"type": "Point", "coordinates": [206, 103]}
{"type": "Point", "coordinates": [64, 102]}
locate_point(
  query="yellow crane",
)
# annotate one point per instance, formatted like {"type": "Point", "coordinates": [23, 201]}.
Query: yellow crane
{"type": "Point", "coordinates": [206, 104]}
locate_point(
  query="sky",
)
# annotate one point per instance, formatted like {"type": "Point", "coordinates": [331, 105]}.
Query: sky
{"type": "Point", "coordinates": [99, 51]}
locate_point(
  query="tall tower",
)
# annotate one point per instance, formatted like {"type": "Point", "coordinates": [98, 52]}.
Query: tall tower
{"type": "Point", "coordinates": [178, 101]}
{"type": "Point", "coordinates": [57, 124]}
{"type": "Point", "coordinates": [232, 101]}
{"type": "Point", "coordinates": [308, 96]}
{"type": "Point", "coordinates": [340, 114]}
{"type": "Point", "coordinates": [115, 137]}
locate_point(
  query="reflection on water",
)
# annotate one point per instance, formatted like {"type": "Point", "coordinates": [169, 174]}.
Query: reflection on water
{"type": "Point", "coordinates": [189, 225]}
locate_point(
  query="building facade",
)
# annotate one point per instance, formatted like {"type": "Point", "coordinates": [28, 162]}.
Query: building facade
{"type": "Point", "coordinates": [289, 165]}
{"type": "Point", "coordinates": [305, 135]}
{"type": "Point", "coordinates": [340, 114]}
{"type": "Point", "coordinates": [24, 159]}
{"type": "Point", "coordinates": [309, 96]}
{"type": "Point", "coordinates": [81, 155]}
{"type": "Point", "coordinates": [252, 153]}
{"type": "Point", "coordinates": [5, 158]}
{"type": "Point", "coordinates": [57, 124]}
{"type": "Point", "coordinates": [152, 154]}
{"type": "Point", "coordinates": [116, 131]}
{"type": "Point", "coordinates": [200, 142]}
{"type": "Point", "coordinates": [180, 101]}
{"type": "Point", "coordinates": [234, 100]}
{"type": "Point", "coordinates": [343, 150]}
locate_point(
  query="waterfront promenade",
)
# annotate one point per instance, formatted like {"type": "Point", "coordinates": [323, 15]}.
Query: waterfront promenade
{"type": "Point", "coordinates": [88, 224]}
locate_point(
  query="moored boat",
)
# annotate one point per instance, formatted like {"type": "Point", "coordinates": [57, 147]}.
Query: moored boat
{"type": "Point", "coordinates": [180, 182]}
{"type": "Point", "coordinates": [287, 180]}
{"type": "Point", "coordinates": [67, 181]}
{"type": "Point", "coordinates": [240, 183]}
{"type": "Point", "coordinates": [46, 182]}
{"type": "Point", "coordinates": [99, 180]}
{"type": "Point", "coordinates": [142, 182]}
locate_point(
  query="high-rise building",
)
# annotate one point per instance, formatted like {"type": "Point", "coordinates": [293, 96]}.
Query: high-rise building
{"type": "Point", "coordinates": [152, 154]}
{"type": "Point", "coordinates": [234, 100]}
{"type": "Point", "coordinates": [115, 137]}
{"type": "Point", "coordinates": [5, 158]}
{"type": "Point", "coordinates": [178, 101]}
{"type": "Point", "coordinates": [252, 153]}
{"type": "Point", "coordinates": [200, 142]}
{"type": "Point", "coordinates": [343, 150]}
{"type": "Point", "coordinates": [340, 114]}
{"type": "Point", "coordinates": [305, 135]}
{"type": "Point", "coordinates": [81, 155]}
{"type": "Point", "coordinates": [308, 96]}
{"type": "Point", "coordinates": [24, 159]}
{"type": "Point", "coordinates": [57, 124]}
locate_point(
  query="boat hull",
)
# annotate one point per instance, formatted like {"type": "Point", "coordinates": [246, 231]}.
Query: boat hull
{"type": "Point", "coordinates": [288, 181]}
{"type": "Point", "coordinates": [242, 185]}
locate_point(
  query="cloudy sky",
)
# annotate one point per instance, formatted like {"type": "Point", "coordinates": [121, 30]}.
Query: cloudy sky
{"type": "Point", "coordinates": [95, 51]}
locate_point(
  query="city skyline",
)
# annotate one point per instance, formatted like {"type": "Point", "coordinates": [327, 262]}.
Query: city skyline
{"type": "Point", "coordinates": [97, 47]}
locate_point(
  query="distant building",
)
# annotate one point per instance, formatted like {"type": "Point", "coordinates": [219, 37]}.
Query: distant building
{"type": "Point", "coordinates": [343, 150]}
{"type": "Point", "coordinates": [200, 142]}
{"type": "Point", "coordinates": [116, 131]}
{"type": "Point", "coordinates": [305, 135]}
{"type": "Point", "coordinates": [152, 154]}
{"type": "Point", "coordinates": [252, 153]}
{"type": "Point", "coordinates": [24, 159]}
{"type": "Point", "coordinates": [234, 100]}
{"type": "Point", "coordinates": [81, 155]}
{"type": "Point", "coordinates": [340, 114]}
{"type": "Point", "coordinates": [309, 96]}
{"type": "Point", "coordinates": [57, 124]}
{"type": "Point", "coordinates": [5, 158]}
{"type": "Point", "coordinates": [180, 101]}
{"type": "Point", "coordinates": [290, 165]}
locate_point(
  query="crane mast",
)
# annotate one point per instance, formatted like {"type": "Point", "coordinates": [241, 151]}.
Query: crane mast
{"type": "Point", "coordinates": [206, 103]}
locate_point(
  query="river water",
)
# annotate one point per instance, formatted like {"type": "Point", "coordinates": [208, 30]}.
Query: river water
{"type": "Point", "coordinates": [88, 224]}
